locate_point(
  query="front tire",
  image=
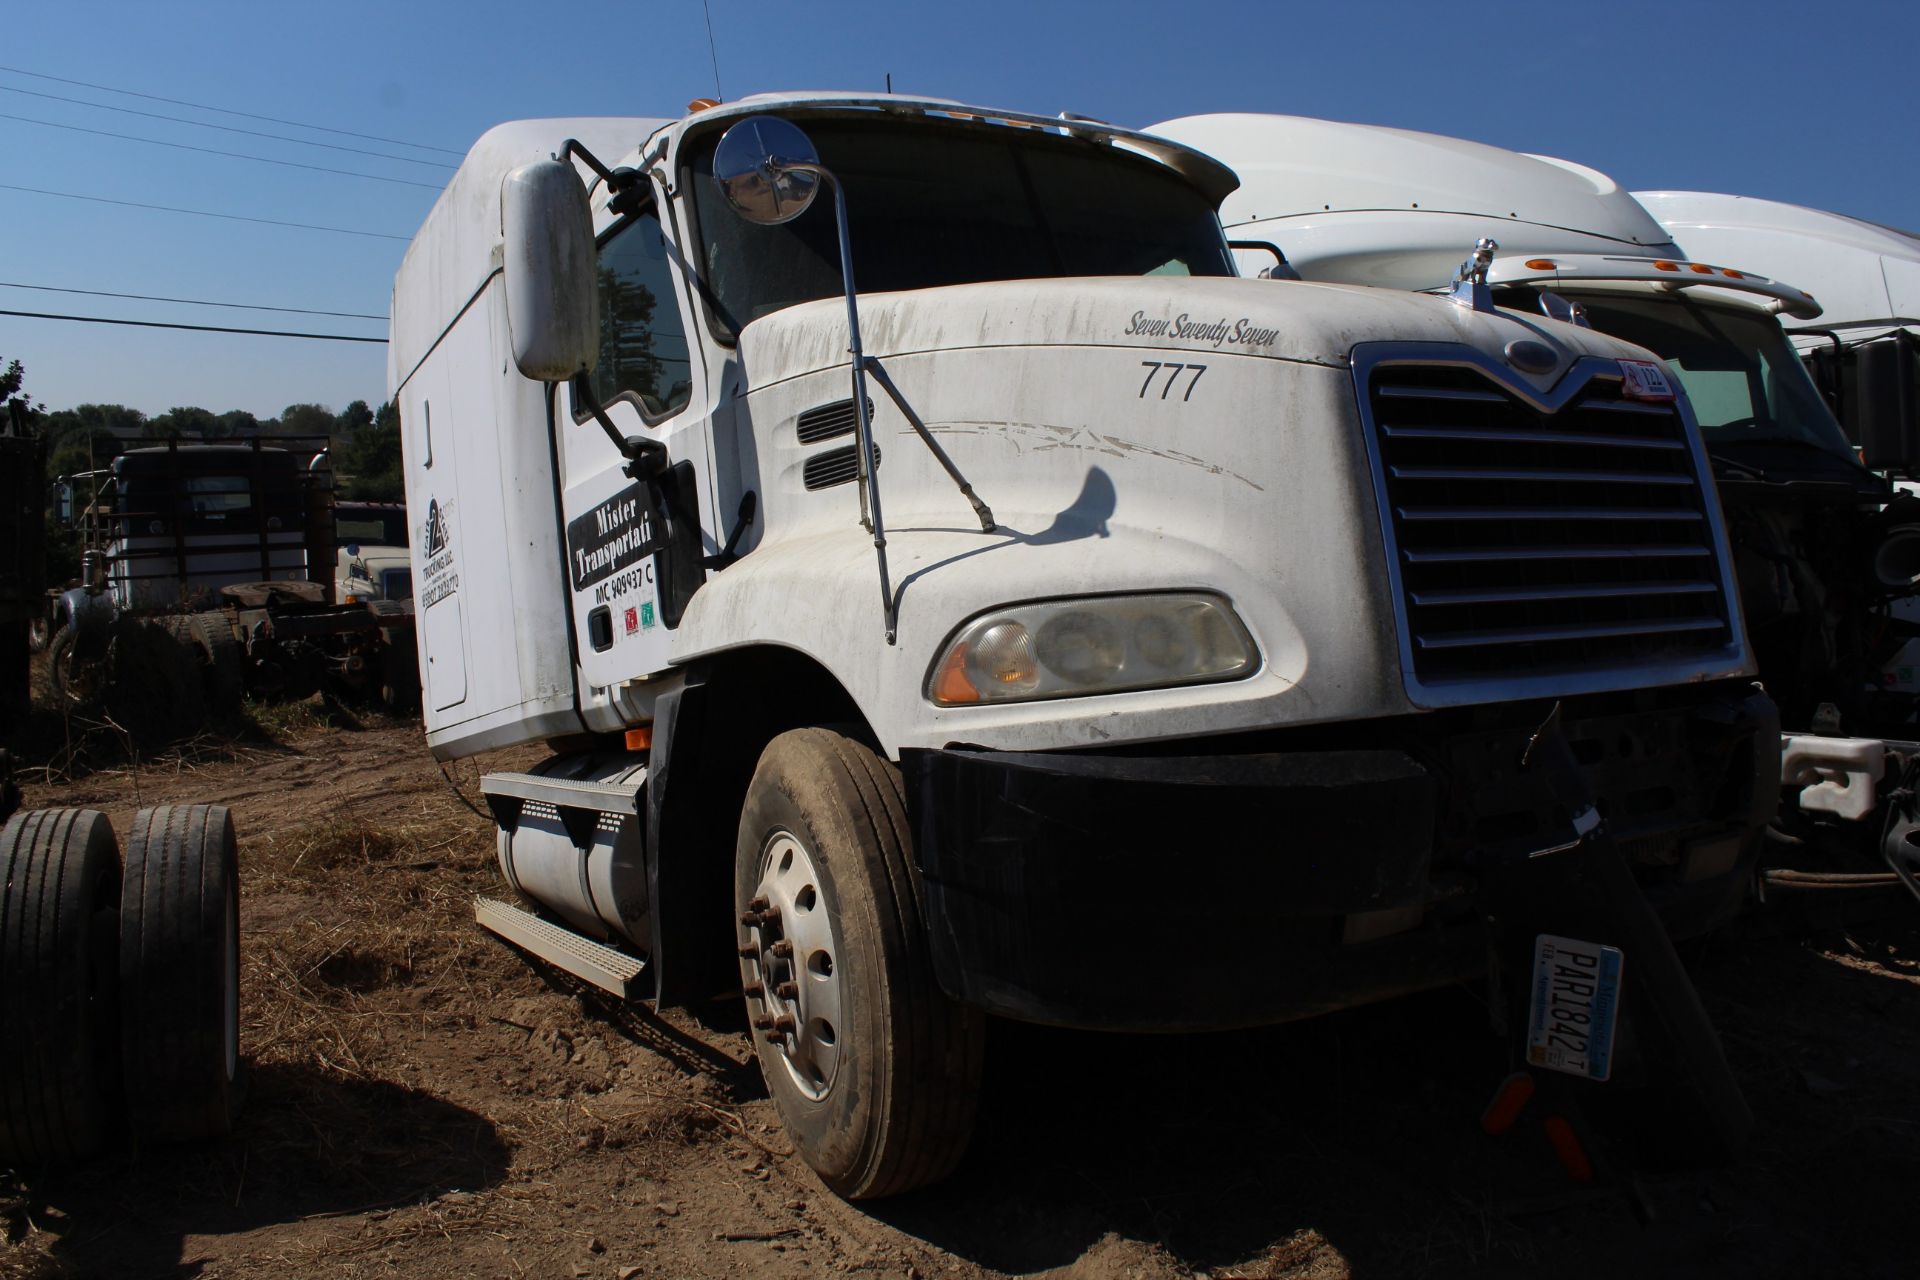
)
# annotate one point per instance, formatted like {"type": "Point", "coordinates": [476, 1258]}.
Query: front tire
{"type": "Point", "coordinates": [73, 684]}
{"type": "Point", "coordinates": [876, 1072]}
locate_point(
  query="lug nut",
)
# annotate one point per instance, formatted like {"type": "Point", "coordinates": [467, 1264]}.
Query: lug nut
{"type": "Point", "coordinates": [759, 903]}
{"type": "Point", "coordinates": [750, 918]}
{"type": "Point", "coordinates": [770, 915]}
{"type": "Point", "coordinates": [783, 949]}
{"type": "Point", "coordinates": [749, 952]}
{"type": "Point", "coordinates": [787, 991]}
{"type": "Point", "coordinates": [783, 1024]}
{"type": "Point", "coordinates": [763, 1023]}
{"type": "Point", "coordinates": [754, 991]}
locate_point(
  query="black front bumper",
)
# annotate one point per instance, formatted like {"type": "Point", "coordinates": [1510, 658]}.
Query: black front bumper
{"type": "Point", "coordinates": [1174, 893]}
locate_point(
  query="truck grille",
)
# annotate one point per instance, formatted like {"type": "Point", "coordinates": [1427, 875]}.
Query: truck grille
{"type": "Point", "coordinates": [1531, 541]}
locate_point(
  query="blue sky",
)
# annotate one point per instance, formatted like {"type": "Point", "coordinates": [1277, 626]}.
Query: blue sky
{"type": "Point", "coordinates": [1801, 103]}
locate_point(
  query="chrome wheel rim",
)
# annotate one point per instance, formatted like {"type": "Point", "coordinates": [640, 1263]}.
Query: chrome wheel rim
{"type": "Point", "coordinates": [790, 963]}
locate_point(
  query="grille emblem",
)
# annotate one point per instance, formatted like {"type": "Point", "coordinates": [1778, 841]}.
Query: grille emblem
{"type": "Point", "coordinates": [1529, 356]}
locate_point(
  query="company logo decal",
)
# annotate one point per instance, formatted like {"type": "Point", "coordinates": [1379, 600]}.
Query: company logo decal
{"type": "Point", "coordinates": [438, 578]}
{"type": "Point", "coordinates": [615, 534]}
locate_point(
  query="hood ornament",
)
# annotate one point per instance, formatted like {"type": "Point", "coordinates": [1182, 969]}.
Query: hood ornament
{"type": "Point", "coordinates": [1470, 282]}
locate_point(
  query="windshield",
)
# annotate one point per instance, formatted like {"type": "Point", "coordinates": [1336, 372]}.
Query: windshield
{"type": "Point", "coordinates": [1742, 376]}
{"type": "Point", "coordinates": [370, 526]}
{"type": "Point", "coordinates": [935, 203]}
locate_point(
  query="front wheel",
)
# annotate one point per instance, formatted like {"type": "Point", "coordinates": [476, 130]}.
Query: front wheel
{"type": "Point", "coordinates": [875, 1071]}
{"type": "Point", "coordinates": [73, 683]}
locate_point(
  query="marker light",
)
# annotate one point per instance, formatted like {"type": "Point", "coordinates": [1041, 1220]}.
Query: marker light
{"type": "Point", "coordinates": [1700, 268]}
{"type": "Point", "coordinates": [1542, 264]}
{"type": "Point", "coordinates": [1731, 274]}
{"type": "Point", "coordinates": [1664, 265]}
{"type": "Point", "coordinates": [1102, 644]}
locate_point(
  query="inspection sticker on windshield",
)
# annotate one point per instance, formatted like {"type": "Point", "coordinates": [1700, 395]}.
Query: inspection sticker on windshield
{"type": "Point", "coordinates": [1574, 1006]}
{"type": "Point", "coordinates": [1644, 380]}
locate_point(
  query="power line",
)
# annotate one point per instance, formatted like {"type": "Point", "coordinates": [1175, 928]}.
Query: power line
{"type": "Point", "coordinates": [198, 328]}
{"type": "Point", "coordinates": [213, 151]}
{"type": "Point", "coordinates": [224, 128]}
{"type": "Point", "coordinates": [202, 213]}
{"type": "Point", "coordinates": [227, 111]}
{"type": "Point", "coordinates": [191, 302]}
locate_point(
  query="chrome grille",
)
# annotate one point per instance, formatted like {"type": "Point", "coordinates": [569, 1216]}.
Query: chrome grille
{"type": "Point", "coordinates": [1531, 541]}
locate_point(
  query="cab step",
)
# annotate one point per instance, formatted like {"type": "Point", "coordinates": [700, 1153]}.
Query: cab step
{"type": "Point", "coordinates": [579, 955]}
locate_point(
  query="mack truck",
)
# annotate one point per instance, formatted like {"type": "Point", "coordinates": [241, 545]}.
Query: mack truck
{"type": "Point", "coordinates": [226, 549]}
{"type": "Point", "coordinates": [1825, 552]}
{"type": "Point", "coordinates": [947, 591]}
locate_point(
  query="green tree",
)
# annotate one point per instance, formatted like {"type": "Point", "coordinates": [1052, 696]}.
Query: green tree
{"type": "Point", "coordinates": [95, 419]}
{"type": "Point", "coordinates": [18, 412]}
{"type": "Point", "coordinates": [305, 420]}
{"type": "Point", "coordinates": [370, 462]}
{"type": "Point", "coordinates": [353, 419]}
{"type": "Point", "coordinates": [238, 422]}
{"type": "Point", "coordinates": [188, 422]}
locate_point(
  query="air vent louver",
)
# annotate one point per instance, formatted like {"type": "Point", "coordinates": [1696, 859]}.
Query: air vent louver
{"type": "Point", "coordinates": [836, 466]}
{"type": "Point", "coordinates": [826, 421]}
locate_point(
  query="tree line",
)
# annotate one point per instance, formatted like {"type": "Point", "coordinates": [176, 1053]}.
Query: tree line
{"type": "Point", "coordinates": [363, 443]}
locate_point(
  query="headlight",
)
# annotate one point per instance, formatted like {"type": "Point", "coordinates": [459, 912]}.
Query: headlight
{"type": "Point", "coordinates": [1103, 644]}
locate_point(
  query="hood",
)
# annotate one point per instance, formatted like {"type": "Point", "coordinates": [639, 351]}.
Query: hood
{"type": "Point", "coordinates": [1261, 319]}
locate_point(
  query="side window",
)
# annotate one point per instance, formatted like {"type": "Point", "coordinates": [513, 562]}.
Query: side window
{"type": "Point", "coordinates": [643, 348]}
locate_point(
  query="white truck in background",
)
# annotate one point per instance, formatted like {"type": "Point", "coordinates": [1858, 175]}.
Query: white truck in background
{"type": "Point", "coordinates": [1864, 351]}
{"type": "Point", "coordinates": [372, 562]}
{"type": "Point", "coordinates": [948, 591]}
{"type": "Point", "coordinates": [1826, 558]}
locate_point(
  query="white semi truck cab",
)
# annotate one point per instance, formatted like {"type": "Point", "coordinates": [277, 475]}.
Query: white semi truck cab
{"type": "Point", "coordinates": [1826, 564]}
{"type": "Point", "coordinates": [949, 591]}
{"type": "Point", "coordinates": [1864, 350]}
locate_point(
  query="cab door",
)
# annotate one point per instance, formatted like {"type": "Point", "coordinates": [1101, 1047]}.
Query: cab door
{"type": "Point", "coordinates": [634, 546]}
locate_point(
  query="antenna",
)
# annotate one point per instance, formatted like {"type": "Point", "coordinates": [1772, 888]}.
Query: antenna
{"type": "Point", "coordinates": [712, 51]}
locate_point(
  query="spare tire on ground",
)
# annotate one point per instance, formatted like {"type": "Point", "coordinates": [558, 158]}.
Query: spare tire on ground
{"type": "Point", "coordinates": [180, 973]}
{"type": "Point", "coordinates": [60, 1066]}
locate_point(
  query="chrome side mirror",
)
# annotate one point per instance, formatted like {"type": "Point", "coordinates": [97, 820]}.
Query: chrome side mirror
{"type": "Point", "coordinates": [767, 170]}
{"type": "Point", "coordinates": [1567, 310]}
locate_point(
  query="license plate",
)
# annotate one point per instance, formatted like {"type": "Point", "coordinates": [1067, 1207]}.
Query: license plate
{"type": "Point", "coordinates": [1574, 1007]}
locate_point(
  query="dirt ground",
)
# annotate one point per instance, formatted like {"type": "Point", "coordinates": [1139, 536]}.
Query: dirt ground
{"type": "Point", "coordinates": [423, 1101]}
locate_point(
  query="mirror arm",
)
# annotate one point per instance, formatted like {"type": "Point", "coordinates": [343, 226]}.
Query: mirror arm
{"type": "Point", "coordinates": [627, 185]}
{"type": "Point", "coordinates": [869, 480]}
{"type": "Point", "coordinates": [749, 504]}
{"type": "Point", "coordinates": [646, 459]}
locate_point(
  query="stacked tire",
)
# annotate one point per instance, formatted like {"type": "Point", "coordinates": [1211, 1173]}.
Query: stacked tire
{"type": "Point", "coordinates": [119, 986]}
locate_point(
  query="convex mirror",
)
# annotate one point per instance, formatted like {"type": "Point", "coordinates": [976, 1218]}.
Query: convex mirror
{"type": "Point", "coordinates": [767, 169]}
